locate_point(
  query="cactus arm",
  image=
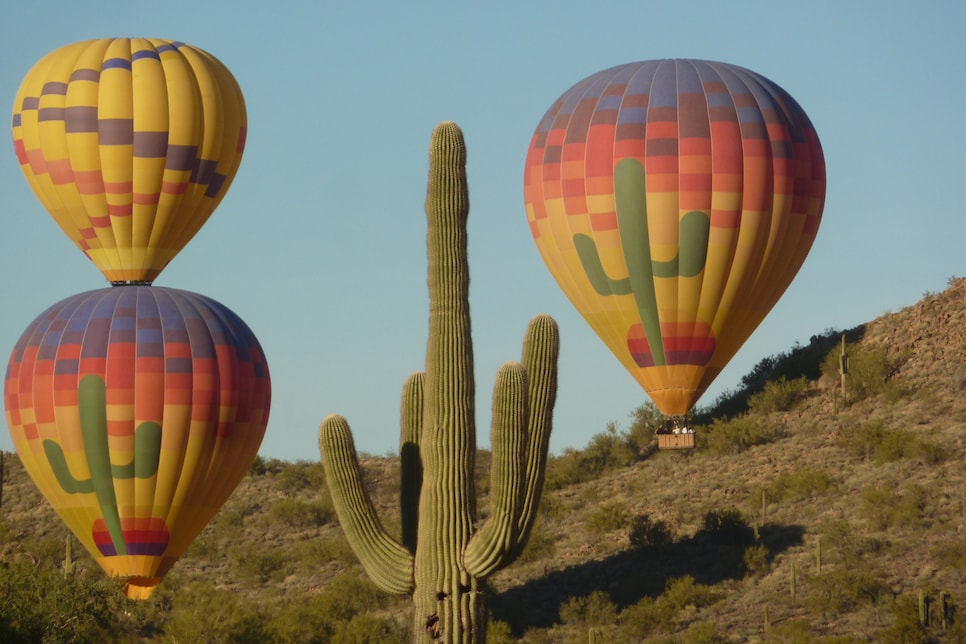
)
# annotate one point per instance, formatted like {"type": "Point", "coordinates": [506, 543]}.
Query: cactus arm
{"type": "Point", "coordinates": [388, 564]}
{"type": "Point", "coordinates": [541, 349]}
{"type": "Point", "coordinates": [594, 268]}
{"type": "Point", "coordinates": [411, 463]}
{"type": "Point", "coordinates": [490, 547]}
{"type": "Point", "coordinates": [58, 465]}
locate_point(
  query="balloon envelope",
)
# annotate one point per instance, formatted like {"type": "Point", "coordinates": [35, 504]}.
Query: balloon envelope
{"type": "Point", "coordinates": [674, 201]}
{"type": "Point", "coordinates": [137, 410]}
{"type": "Point", "coordinates": [130, 144]}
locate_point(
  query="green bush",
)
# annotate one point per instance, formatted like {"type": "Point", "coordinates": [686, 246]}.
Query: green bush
{"type": "Point", "coordinates": [540, 545]}
{"type": "Point", "coordinates": [595, 609]}
{"type": "Point", "coordinates": [880, 444]}
{"type": "Point", "coordinates": [729, 526]}
{"type": "Point", "coordinates": [300, 475]}
{"type": "Point", "coordinates": [779, 395]}
{"type": "Point", "coordinates": [846, 589]}
{"type": "Point", "coordinates": [649, 616]}
{"type": "Point", "coordinates": [841, 543]}
{"type": "Point", "coordinates": [38, 605]}
{"type": "Point", "coordinates": [260, 563]}
{"type": "Point", "coordinates": [805, 483]}
{"type": "Point", "coordinates": [871, 372]}
{"type": "Point", "coordinates": [302, 514]}
{"type": "Point", "coordinates": [200, 612]}
{"type": "Point", "coordinates": [738, 434]}
{"type": "Point", "coordinates": [885, 508]}
{"type": "Point", "coordinates": [608, 517]}
{"type": "Point", "coordinates": [757, 560]}
{"type": "Point", "coordinates": [343, 612]}
{"type": "Point", "coordinates": [646, 533]}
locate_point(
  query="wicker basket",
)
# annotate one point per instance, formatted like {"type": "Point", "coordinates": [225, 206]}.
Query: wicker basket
{"type": "Point", "coordinates": [675, 441]}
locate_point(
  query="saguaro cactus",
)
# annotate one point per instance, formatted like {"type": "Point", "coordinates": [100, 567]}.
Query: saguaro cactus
{"type": "Point", "coordinates": [443, 554]}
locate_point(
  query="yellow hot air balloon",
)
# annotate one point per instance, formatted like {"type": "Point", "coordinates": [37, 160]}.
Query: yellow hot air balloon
{"type": "Point", "coordinates": [136, 410]}
{"type": "Point", "coordinates": [130, 144]}
{"type": "Point", "coordinates": [674, 201]}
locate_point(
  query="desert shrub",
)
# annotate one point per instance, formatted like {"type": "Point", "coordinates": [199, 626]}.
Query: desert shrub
{"type": "Point", "coordinates": [756, 559]}
{"type": "Point", "coordinates": [870, 372]}
{"type": "Point", "coordinates": [369, 629]}
{"type": "Point", "coordinates": [885, 508]}
{"type": "Point", "coordinates": [874, 441]}
{"type": "Point", "coordinates": [300, 475]}
{"type": "Point", "coordinates": [800, 361]}
{"type": "Point", "coordinates": [552, 507]}
{"type": "Point", "coordinates": [200, 612]}
{"type": "Point", "coordinates": [595, 609]}
{"type": "Point", "coordinates": [952, 554]}
{"type": "Point", "coordinates": [648, 616]}
{"type": "Point", "coordinates": [845, 590]}
{"type": "Point", "coordinates": [839, 541]}
{"type": "Point", "coordinates": [258, 467]}
{"type": "Point", "coordinates": [564, 470]}
{"type": "Point", "coordinates": [738, 434]}
{"type": "Point", "coordinates": [804, 483]}
{"type": "Point", "coordinates": [323, 549]}
{"type": "Point", "coordinates": [645, 421]}
{"type": "Point", "coordinates": [325, 616]}
{"type": "Point", "coordinates": [645, 533]}
{"type": "Point", "coordinates": [703, 633]}
{"type": "Point", "coordinates": [682, 592]}
{"type": "Point", "coordinates": [540, 544]}
{"type": "Point", "coordinates": [302, 514]}
{"type": "Point", "coordinates": [779, 395]}
{"type": "Point", "coordinates": [498, 632]}
{"type": "Point", "coordinates": [606, 450]}
{"type": "Point", "coordinates": [38, 605]}
{"type": "Point", "coordinates": [608, 517]}
{"type": "Point", "coordinates": [260, 563]}
{"type": "Point", "coordinates": [905, 628]}
{"type": "Point", "coordinates": [728, 526]}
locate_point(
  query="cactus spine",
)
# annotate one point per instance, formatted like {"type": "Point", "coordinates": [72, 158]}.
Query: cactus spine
{"type": "Point", "coordinates": [443, 555]}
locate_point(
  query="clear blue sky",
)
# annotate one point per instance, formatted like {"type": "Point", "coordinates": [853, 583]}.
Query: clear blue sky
{"type": "Point", "coordinates": [320, 243]}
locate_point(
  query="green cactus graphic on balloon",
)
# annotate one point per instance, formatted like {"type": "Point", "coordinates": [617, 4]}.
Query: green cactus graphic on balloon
{"type": "Point", "coordinates": [630, 195]}
{"type": "Point", "coordinates": [113, 535]}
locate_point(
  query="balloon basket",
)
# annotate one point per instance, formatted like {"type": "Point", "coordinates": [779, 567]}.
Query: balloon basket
{"type": "Point", "coordinates": [675, 441]}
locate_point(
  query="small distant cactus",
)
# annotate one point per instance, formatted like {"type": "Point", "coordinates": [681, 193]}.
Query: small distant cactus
{"type": "Point", "coordinates": [444, 554]}
{"type": "Point", "coordinates": [1, 478]}
{"type": "Point", "coordinates": [68, 565]}
{"type": "Point", "coordinates": [843, 367]}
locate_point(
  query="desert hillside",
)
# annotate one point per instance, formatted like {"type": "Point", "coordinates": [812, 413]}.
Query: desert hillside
{"type": "Point", "coordinates": [805, 514]}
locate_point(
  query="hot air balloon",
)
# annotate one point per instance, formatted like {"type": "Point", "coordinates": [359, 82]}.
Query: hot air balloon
{"type": "Point", "coordinates": [137, 410]}
{"type": "Point", "coordinates": [130, 144]}
{"type": "Point", "coordinates": [674, 201]}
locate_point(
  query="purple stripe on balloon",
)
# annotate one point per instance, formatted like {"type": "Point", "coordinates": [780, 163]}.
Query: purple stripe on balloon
{"type": "Point", "coordinates": [214, 186]}
{"type": "Point", "coordinates": [48, 114]}
{"type": "Point", "coordinates": [81, 118]}
{"type": "Point", "coordinates": [181, 157]}
{"type": "Point", "coordinates": [150, 145]}
{"type": "Point", "coordinates": [116, 131]}
{"type": "Point", "coordinates": [54, 88]}
{"type": "Point", "coordinates": [85, 75]}
{"type": "Point", "coordinates": [116, 63]}
{"type": "Point", "coordinates": [143, 54]}
{"type": "Point", "coordinates": [30, 103]}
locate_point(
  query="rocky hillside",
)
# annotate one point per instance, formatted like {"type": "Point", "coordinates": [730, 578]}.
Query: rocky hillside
{"type": "Point", "coordinates": [813, 516]}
